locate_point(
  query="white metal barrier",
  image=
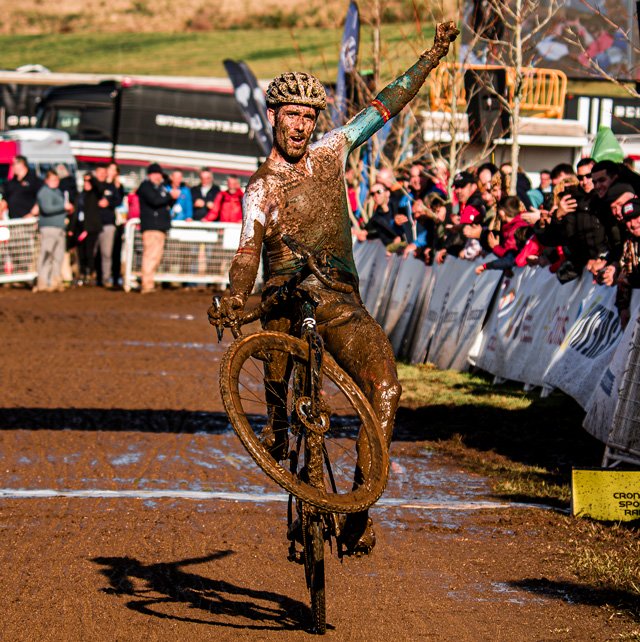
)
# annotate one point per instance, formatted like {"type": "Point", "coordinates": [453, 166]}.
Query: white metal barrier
{"type": "Point", "coordinates": [19, 246]}
{"type": "Point", "coordinates": [194, 252]}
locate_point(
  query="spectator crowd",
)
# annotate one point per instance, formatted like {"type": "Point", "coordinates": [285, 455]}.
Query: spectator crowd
{"type": "Point", "coordinates": [576, 219]}
{"type": "Point", "coordinates": [86, 225]}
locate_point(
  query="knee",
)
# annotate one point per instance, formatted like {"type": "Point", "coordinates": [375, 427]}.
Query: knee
{"type": "Point", "coordinates": [389, 391]}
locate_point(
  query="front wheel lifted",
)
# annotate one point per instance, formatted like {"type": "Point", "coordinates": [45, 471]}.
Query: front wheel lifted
{"type": "Point", "coordinates": [259, 395]}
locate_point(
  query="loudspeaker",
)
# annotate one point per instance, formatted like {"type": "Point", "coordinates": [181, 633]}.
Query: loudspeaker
{"type": "Point", "coordinates": [488, 118]}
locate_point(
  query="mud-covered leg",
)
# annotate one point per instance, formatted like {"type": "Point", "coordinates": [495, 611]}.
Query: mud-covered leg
{"type": "Point", "coordinates": [374, 370]}
{"type": "Point", "coordinates": [276, 383]}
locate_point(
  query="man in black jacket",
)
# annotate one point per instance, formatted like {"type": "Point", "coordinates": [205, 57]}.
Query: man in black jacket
{"type": "Point", "coordinates": [21, 190]}
{"type": "Point", "coordinates": [155, 219]}
{"type": "Point", "coordinates": [203, 195]}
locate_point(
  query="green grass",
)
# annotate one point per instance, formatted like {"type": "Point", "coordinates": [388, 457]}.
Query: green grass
{"type": "Point", "coordinates": [526, 444]}
{"type": "Point", "coordinates": [267, 51]}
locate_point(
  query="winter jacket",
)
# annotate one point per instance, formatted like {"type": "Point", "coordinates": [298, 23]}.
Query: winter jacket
{"type": "Point", "coordinates": [155, 206]}
{"type": "Point", "coordinates": [51, 205]}
{"type": "Point", "coordinates": [227, 208]}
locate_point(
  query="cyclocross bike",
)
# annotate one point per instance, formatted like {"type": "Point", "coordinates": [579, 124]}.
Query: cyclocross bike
{"type": "Point", "coordinates": [315, 411]}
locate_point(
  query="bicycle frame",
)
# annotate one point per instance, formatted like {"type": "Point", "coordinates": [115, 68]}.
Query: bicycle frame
{"type": "Point", "coordinates": [307, 414]}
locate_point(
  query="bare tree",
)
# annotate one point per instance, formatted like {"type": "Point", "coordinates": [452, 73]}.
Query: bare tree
{"type": "Point", "coordinates": [507, 32]}
{"type": "Point", "coordinates": [579, 37]}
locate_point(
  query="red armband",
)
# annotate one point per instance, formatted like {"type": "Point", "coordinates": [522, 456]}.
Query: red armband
{"type": "Point", "coordinates": [383, 110]}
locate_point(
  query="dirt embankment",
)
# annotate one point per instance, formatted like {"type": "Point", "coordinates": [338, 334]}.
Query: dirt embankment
{"type": "Point", "coordinates": [139, 16]}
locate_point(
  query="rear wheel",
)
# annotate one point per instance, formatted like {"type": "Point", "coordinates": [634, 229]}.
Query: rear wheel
{"type": "Point", "coordinates": [260, 391]}
{"type": "Point", "coordinates": [313, 538]}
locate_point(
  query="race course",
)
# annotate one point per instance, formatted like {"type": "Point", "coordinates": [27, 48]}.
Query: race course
{"type": "Point", "coordinates": [130, 511]}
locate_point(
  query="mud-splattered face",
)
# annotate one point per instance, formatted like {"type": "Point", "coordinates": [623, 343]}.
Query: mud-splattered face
{"type": "Point", "coordinates": [292, 128]}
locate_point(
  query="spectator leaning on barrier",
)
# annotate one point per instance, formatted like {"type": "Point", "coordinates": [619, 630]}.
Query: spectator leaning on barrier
{"type": "Point", "coordinates": [227, 207]}
{"type": "Point", "coordinates": [610, 193]}
{"type": "Point", "coordinates": [585, 241]}
{"type": "Point", "coordinates": [472, 212]}
{"type": "Point", "coordinates": [429, 214]}
{"type": "Point", "coordinates": [514, 233]}
{"type": "Point", "coordinates": [155, 220]}
{"type": "Point", "coordinates": [182, 209]}
{"type": "Point", "coordinates": [628, 277]}
{"type": "Point", "coordinates": [399, 202]}
{"type": "Point", "coordinates": [53, 209]}
{"type": "Point", "coordinates": [381, 225]}
{"type": "Point", "coordinates": [548, 226]}
{"type": "Point", "coordinates": [203, 195]}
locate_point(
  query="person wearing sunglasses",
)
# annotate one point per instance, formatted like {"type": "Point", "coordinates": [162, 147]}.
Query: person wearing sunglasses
{"type": "Point", "coordinates": [381, 225]}
{"type": "Point", "coordinates": [583, 172]}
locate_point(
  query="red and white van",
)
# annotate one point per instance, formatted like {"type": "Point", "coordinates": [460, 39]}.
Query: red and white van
{"type": "Point", "coordinates": [44, 149]}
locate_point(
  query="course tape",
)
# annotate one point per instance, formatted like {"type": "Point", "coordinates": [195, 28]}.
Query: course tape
{"type": "Point", "coordinates": [392, 502]}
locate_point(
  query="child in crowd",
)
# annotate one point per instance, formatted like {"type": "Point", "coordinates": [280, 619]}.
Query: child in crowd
{"type": "Point", "coordinates": [511, 240]}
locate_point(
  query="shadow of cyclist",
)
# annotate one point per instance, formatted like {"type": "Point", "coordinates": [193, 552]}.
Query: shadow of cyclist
{"type": "Point", "coordinates": [174, 586]}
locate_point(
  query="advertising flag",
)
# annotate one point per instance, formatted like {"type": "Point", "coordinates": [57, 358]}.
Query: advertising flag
{"type": "Point", "coordinates": [252, 103]}
{"type": "Point", "coordinates": [347, 64]}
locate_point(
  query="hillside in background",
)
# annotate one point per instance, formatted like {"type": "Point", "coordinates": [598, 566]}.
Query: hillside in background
{"type": "Point", "coordinates": [267, 51]}
{"type": "Point", "coordinates": [177, 16]}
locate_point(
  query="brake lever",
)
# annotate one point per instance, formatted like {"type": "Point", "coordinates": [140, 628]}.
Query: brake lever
{"type": "Point", "coordinates": [219, 327]}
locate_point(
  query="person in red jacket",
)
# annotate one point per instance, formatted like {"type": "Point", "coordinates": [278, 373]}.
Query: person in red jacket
{"type": "Point", "coordinates": [510, 242]}
{"type": "Point", "coordinates": [227, 206]}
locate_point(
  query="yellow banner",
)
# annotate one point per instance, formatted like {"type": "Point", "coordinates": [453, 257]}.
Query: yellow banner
{"type": "Point", "coordinates": [606, 495]}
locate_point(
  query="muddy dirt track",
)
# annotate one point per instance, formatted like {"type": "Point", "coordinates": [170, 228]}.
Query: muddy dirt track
{"type": "Point", "coordinates": [129, 511]}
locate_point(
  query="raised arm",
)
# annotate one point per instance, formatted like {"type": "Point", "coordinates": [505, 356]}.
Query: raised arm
{"type": "Point", "coordinates": [395, 96]}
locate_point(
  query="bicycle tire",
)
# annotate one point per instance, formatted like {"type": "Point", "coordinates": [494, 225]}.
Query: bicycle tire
{"type": "Point", "coordinates": [313, 539]}
{"type": "Point", "coordinates": [240, 398]}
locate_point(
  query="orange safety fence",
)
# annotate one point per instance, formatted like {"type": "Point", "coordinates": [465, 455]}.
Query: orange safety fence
{"type": "Point", "coordinates": [544, 90]}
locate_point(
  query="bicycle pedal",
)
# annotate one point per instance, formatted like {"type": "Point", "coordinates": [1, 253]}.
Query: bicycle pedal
{"type": "Point", "coordinates": [296, 557]}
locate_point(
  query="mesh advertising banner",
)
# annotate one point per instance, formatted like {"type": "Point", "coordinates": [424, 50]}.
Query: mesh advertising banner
{"type": "Point", "coordinates": [464, 302]}
{"type": "Point", "coordinates": [588, 348]}
{"type": "Point", "coordinates": [371, 263]}
{"type": "Point", "coordinates": [602, 403]}
{"type": "Point", "coordinates": [402, 299]}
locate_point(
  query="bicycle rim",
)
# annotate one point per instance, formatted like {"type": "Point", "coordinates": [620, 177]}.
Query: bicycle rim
{"type": "Point", "coordinates": [312, 535]}
{"type": "Point", "coordinates": [243, 388]}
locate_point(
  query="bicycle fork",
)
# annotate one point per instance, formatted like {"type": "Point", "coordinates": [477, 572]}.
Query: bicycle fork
{"type": "Point", "coordinates": [316, 420]}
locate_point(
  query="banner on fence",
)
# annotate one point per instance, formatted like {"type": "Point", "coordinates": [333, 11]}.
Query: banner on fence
{"type": "Point", "coordinates": [499, 329]}
{"type": "Point", "coordinates": [461, 307]}
{"type": "Point", "coordinates": [588, 347]}
{"type": "Point", "coordinates": [374, 268]}
{"type": "Point", "coordinates": [602, 403]}
{"type": "Point", "coordinates": [525, 329]}
{"type": "Point", "coordinates": [404, 293]}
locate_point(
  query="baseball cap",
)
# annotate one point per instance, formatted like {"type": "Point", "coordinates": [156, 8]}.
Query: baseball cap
{"type": "Point", "coordinates": [631, 209]}
{"type": "Point", "coordinates": [461, 179]}
{"type": "Point", "coordinates": [154, 168]}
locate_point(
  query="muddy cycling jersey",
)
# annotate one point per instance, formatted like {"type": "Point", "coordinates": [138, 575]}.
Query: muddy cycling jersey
{"type": "Point", "coordinates": [308, 200]}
